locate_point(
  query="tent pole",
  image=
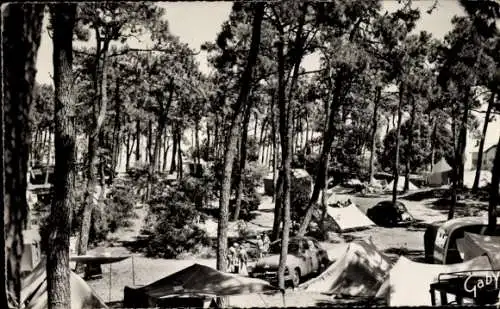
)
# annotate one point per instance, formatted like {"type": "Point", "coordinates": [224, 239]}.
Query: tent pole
{"type": "Point", "coordinates": [110, 281]}
{"type": "Point", "coordinates": [133, 271]}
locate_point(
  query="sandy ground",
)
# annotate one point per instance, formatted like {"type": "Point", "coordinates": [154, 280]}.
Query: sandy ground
{"type": "Point", "coordinates": [139, 270]}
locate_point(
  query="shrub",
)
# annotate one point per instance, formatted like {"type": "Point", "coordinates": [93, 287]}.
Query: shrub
{"type": "Point", "coordinates": [173, 226]}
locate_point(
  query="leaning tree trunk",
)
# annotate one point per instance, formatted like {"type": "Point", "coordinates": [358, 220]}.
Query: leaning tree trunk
{"type": "Point", "coordinates": [410, 147]}
{"type": "Point", "coordinates": [494, 192]}
{"type": "Point", "coordinates": [21, 33]}
{"type": "Point", "coordinates": [328, 137]}
{"type": "Point", "coordinates": [398, 136]}
{"type": "Point", "coordinates": [475, 187]}
{"type": "Point", "coordinates": [231, 139]}
{"type": "Point", "coordinates": [58, 272]}
{"type": "Point", "coordinates": [99, 113]}
{"type": "Point", "coordinates": [373, 141]}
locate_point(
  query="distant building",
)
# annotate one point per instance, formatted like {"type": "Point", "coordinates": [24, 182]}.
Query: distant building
{"type": "Point", "coordinates": [488, 156]}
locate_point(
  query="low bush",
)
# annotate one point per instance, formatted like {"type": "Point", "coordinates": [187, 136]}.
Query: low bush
{"type": "Point", "coordinates": [173, 231]}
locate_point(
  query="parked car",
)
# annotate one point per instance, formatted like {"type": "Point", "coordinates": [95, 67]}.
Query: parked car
{"type": "Point", "coordinates": [301, 261]}
{"type": "Point", "coordinates": [440, 238]}
{"type": "Point", "coordinates": [388, 214]}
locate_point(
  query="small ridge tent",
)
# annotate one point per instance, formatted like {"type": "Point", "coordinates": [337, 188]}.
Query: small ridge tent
{"type": "Point", "coordinates": [440, 174]}
{"type": "Point", "coordinates": [401, 185]}
{"type": "Point", "coordinates": [347, 218]}
{"type": "Point", "coordinates": [34, 291]}
{"type": "Point", "coordinates": [474, 245]}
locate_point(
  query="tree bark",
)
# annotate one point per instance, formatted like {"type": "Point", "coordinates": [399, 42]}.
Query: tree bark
{"type": "Point", "coordinates": [150, 142]}
{"type": "Point", "coordinates": [138, 140]}
{"type": "Point", "coordinates": [275, 146]}
{"type": "Point", "coordinates": [373, 141]}
{"type": "Point", "coordinates": [58, 272]}
{"type": "Point", "coordinates": [165, 150]}
{"type": "Point", "coordinates": [129, 146]}
{"type": "Point", "coordinates": [398, 136]}
{"type": "Point", "coordinates": [99, 113]}
{"type": "Point", "coordinates": [475, 186]}
{"type": "Point", "coordinates": [179, 155]}
{"type": "Point", "coordinates": [451, 211]}
{"type": "Point", "coordinates": [410, 146]}
{"type": "Point", "coordinates": [286, 138]}
{"type": "Point", "coordinates": [116, 130]}
{"type": "Point", "coordinates": [21, 33]}
{"type": "Point", "coordinates": [462, 140]}
{"type": "Point", "coordinates": [328, 137]}
{"type": "Point", "coordinates": [243, 159]}
{"type": "Point", "coordinates": [231, 139]}
{"type": "Point", "coordinates": [494, 192]}
{"type": "Point", "coordinates": [173, 166]}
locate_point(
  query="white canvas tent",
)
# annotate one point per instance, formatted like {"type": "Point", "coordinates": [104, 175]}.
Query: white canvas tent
{"type": "Point", "coordinates": [34, 291]}
{"type": "Point", "coordinates": [484, 179]}
{"type": "Point", "coordinates": [348, 218]}
{"type": "Point", "coordinates": [474, 245]}
{"type": "Point", "coordinates": [440, 174]}
{"type": "Point", "coordinates": [401, 185]}
{"type": "Point", "coordinates": [408, 282]}
{"type": "Point", "coordinates": [360, 271]}
{"type": "Point", "coordinates": [32, 251]}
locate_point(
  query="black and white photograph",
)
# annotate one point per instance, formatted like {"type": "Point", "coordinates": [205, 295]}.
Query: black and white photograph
{"type": "Point", "coordinates": [250, 154]}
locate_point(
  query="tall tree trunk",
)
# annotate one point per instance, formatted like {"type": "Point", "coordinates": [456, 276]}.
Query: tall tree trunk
{"type": "Point", "coordinates": [433, 143]}
{"type": "Point", "coordinates": [286, 138]}
{"type": "Point", "coordinates": [127, 153]}
{"type": "Point", "coordinates": [116, 130]}
{"type": "Point", "coordinates": [462, 140]}
{"type": "Point", "coordinates": [451, 211]}
{"type": "Point", "coordinates": [243, 159]}
{"type": "Point", "coordinates": [180, 165]}
{"type": "Point", "coordinates": [373, 141]}
{"type": "Point", "coordinates": [409, 150]}
{"type": "Point", "coordinates": [398, 136]}
{"type": "Point", "coordinates": [138, 140]}
{"type": "Point", "coordinates": [261, 139]}
{"type": "Point", "coordinates": [21, 33]}
{"type": "Point", "coordinates": [231, 139]}
{"type": "Point", "coordinates": [275, 146]}
{"type": "Point", "coordinates": [165, 151]}
{"type": "Point", "coordinates": [494, 190]}
{"type": "Point", "coordinates": [49, 153]}
{"type": "Point", "coordinates": [150, 142]}
{"type": "Point", "coordinates": [475, 187]}
{"type": "Point", "coordinates": [58, 272]}
{"type": "Point", "coordinates": [197, 141]}
{"type": "Point", "coordinates": [99, 113]}
{"type": "Point", "coordinates": [173, 166]}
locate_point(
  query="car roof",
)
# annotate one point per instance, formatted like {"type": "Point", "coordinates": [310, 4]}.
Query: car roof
{"type": "Point", "coordinates": [295, 238]}
{"type": "Point", "coordinates": [453, 224]}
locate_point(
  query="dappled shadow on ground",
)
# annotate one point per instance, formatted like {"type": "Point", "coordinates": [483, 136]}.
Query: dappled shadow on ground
{"type": "Point", "coordinates": [415, 255]}
{"type": "Point", "coordinates": [462, 209]}
{"type": "Point", "coordinates": [427, 194]}
{"type": "Point", "coordinates": [418, 225]}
